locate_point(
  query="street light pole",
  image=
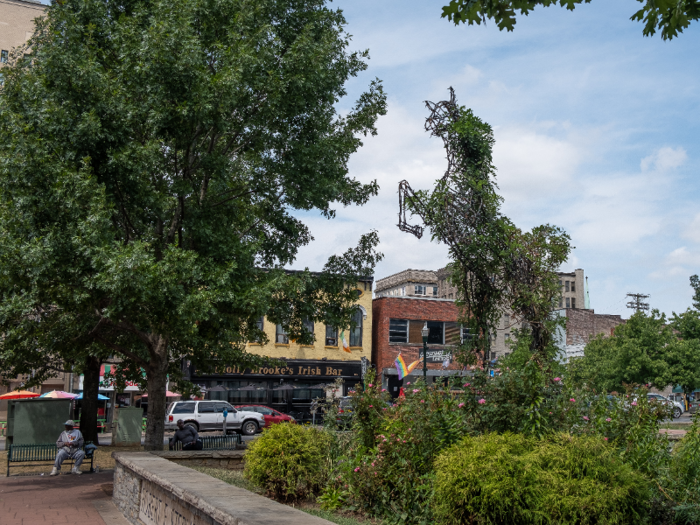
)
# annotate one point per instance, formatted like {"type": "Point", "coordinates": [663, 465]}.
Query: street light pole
{"type": "Point", "coordinates": [425, 331]}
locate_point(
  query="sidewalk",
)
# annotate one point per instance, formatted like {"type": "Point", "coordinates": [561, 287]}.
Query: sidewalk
{"type": "Point", "coordinates": [64, 499]}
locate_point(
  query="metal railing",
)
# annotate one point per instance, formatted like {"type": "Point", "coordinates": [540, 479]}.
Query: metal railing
{"type": "Point", "coordinates": [216, 442]}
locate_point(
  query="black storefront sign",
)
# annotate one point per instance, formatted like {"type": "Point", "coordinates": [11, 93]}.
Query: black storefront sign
{"type": "Point", "coordinates": [295, 369]}
{"type": "Point", "coordinates": [436, 356]}
{"type": "Point", "coordinates": [290, 389]}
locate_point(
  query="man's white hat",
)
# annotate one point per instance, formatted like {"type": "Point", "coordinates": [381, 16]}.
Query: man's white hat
{"type": "Point", "coordinates": [69, 423]}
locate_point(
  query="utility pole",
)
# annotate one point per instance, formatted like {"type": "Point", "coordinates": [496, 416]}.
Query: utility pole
{"type": "Point", "coordinates": [637, 302]}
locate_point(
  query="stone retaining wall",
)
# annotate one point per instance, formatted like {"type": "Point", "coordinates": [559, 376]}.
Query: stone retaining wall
{"type": "Point", "coordinates": [151, 490]}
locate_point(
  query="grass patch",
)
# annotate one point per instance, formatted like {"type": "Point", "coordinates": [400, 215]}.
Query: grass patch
{"type": "Point", "coordinates": [237, 479]}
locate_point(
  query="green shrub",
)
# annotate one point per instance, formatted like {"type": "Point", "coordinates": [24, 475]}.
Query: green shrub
{"type": "Point", "coordinates": [681, 493]}
{"type": "Point", "coordinates": [289, 461]}
{"type": "Point", "coordinates": [516, 479]}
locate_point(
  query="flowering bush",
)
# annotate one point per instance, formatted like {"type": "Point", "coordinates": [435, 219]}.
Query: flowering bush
{"type": "Point", "coordinates": [389, 469]}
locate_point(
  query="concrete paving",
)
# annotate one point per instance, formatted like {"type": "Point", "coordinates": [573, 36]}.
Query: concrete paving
{"type": "Point", "coordinates": [64, 499]}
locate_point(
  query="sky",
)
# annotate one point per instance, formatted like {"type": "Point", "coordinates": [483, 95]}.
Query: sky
{"type": "Point", "coordinates": [596, 130]}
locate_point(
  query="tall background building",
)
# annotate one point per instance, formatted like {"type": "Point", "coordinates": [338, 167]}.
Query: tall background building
{"type": "Point", "coordinates": [16, 25]}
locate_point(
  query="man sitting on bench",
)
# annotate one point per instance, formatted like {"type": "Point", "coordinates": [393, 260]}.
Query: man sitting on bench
{"type": "Point", "coordinates": [187, 435]}
{"type": "Point", "coordinates": [70, 445]}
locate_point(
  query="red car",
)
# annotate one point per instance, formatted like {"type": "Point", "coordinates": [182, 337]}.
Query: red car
{"type": "Point", "coordinates": [271, 415]}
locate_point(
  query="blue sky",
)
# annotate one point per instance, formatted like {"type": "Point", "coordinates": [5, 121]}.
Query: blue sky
{"type": "Point", "coordinates": [596, 131]}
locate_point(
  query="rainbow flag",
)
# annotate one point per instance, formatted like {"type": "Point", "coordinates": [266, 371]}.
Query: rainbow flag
{"type": "Point", "coordinates": [401, 367]}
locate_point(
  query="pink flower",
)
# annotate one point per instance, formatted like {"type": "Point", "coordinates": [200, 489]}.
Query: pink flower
{"type": "Point", "coordinates": [557, 378]}
{"type": "Point", "coordinates": [467, 384]}
{"type": "Point", "coordinates": [634, 403]}
{"type": "Point", "coordinates": [357, 469]}
{"type": "Point", "coordinates": [608, 420]}
{"type": "Point", "coordinates": [422, 400]}
{"type": "Point", "coordinates": [460, 405]}
{"type": "Point", "coordinates": [371, 406]}
{"type": "Point", "coordinates": [585, 418]}
{"type": "Point", "coordinates": [605, 439]}
{"type": "Point", "coordinates": [383, 389]}
{"type": "Point", "coordinates": [408, 383]}
{"type": "Point", "coordinates": [482, 401]}
{"type": "Point", "coordinates": [371, 385]}
{"type": "Point", "coordinates": [384, 408]}
{"type": "Point", "coordinates": [572, 400]}
{"type": "Point", "coordinates": [415, 390]}
{"type": "Point", "coordinates": [372, 463]}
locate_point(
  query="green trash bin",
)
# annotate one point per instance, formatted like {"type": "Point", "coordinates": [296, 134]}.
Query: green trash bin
{"type": "Point", "coordinates": [126, 430]}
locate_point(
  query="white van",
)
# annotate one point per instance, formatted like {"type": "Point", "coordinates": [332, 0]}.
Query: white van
{"type": "Point", "coordinates": [209, 415]}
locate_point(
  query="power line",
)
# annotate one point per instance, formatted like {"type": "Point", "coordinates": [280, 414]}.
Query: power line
{"type": "Point", "coordinates": [637, 302]}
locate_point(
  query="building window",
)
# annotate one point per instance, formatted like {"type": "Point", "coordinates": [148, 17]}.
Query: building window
{"type": "Point", "coordinates": [560, 283]}
{"type": "Point", "coordinates": [466, 335]}
{"type": "Point", "coordinates": [506, 321]}
{"type": "Point", "coordinates": [3, 56]}
{"type": "Point", "coordinates": [398, 331]}
{"type": "Point", "coordinates": [566, 286]}
{"type": "Point", "coordinates": [436, 333]}
{"type": "Point", "coordinates": [419, 289]}
{"type": "Point", "coordinates": [573, 286]}
{"type": "Point", "coordinates": [573, 302]}
{"type": "Point", "coordinates": [403, 291]}
{"type": "Point", "coordinates": [356, 331]}
{"type": "Point", "coordinates": [260, 323]}
{"type": "Point", "coordinates": [507, 336]}
{"type": "Point", "coordinates": [308, 325]}
{"type": "Point", "coordinates": [435, 291]}
{"type": "Point", "coordinates": [568, 302]}
{"type": "Point", "coordinates": [450, 297]}
{"type": "Point", "coordinates": [331, 336]}
{"type": "Point", "coordinates": [561, 302]}
{"type": "Point", "coordinates": [281, 336]}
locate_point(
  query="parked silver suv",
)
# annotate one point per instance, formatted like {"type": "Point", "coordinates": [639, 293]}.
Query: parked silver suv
{"type": "Point", "coordinates": [209, 415]}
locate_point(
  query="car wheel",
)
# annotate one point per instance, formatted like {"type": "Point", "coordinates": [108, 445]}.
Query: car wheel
{"type": "Point", "coordinates": [249, 428]}
{"type": "Point", "coordinates": [193, 425]}
{"type": "Point", "coordinates": [677, 413]}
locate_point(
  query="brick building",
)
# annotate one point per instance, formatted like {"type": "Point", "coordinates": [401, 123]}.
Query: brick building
{"type": "Point", "coordinates": [397, 326]}
{"type": "Point", "coordinates": [16, 25]}
{"type": "Point", "coordinates": [581, 327]}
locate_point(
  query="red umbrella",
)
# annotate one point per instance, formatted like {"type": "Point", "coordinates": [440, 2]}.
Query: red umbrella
{"type": "Point", "coordinates": [21, 394]}
{"type": "Point", "coordinates": [167, 394]}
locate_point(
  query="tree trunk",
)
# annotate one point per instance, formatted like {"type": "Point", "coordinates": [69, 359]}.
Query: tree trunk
{"type": "Point", "coordinates": [91, 385]}
{"type": "Point", "coordinates": [157, 378]}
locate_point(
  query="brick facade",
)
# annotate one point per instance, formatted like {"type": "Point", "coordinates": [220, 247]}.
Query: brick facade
{"type": "Point", "coordinates": [583, 325]}
{"type": "Point", "coordinates": [414, 309]}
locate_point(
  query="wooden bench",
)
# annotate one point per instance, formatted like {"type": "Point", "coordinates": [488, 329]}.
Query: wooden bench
{"type": "Point", "coordinates": [216, 442]}
{"type": "Point", "coordinates": [42, 454]}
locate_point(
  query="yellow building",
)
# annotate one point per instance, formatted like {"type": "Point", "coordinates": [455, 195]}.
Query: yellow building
{"type": "Point", "coordinates": [16, 25]}
{"type": "Point", "coordinates": [292, 388]}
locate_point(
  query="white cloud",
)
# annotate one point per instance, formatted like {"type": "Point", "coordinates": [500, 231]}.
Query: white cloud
{"type": "Point", "coordinates": [664, 159]}
{"type": "Point", "coordinates": [692, 232]}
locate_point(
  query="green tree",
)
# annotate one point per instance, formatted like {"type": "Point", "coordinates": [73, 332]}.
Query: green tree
{"type": "Point", "coordinates": [670, 17]}
{"type": "Point", "coordinates": [645, 350]}
{"type": "Point", "coordinates": [695, 284]}
{"type": "Point", "coordinates": [495, 265]}
{"type": "Point", "coordinates": [152, 156]}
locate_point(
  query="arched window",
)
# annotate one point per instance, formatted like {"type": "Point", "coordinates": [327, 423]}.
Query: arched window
{"type": "Point", "coordinates": [356, 331]}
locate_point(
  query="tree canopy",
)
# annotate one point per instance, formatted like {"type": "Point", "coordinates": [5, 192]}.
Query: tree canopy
{"type": "Point", "coordinates": [152, 157]}
{"type": "Point", "coordinates": [495, 265]}
{"type": "Point", "coordinates": [644, 350]}
{"type": "Point", "coordinates": [669, 17]}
